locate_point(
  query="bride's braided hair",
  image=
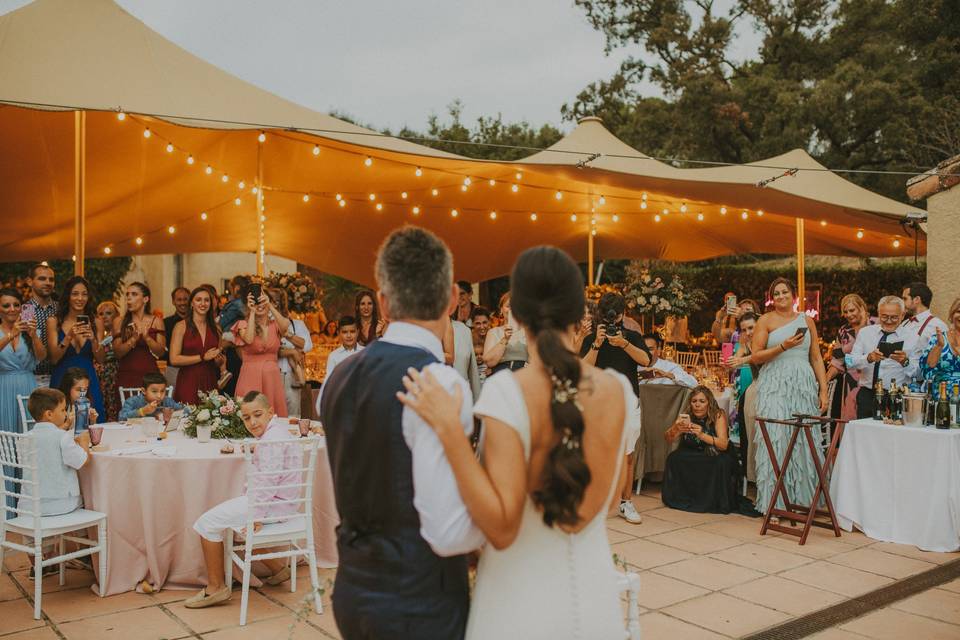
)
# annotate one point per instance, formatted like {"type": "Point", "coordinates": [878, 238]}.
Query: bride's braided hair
{"type": "Point", "coordinates": [547, 297]}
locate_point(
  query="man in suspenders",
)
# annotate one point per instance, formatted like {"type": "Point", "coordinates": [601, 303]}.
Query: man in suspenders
{"type": "Point", "coordinates": [919, 321]}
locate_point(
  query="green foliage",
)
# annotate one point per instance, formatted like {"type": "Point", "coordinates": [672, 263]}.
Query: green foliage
{"type": "Point", "coordinates": [105, 275]}
{"type": "Point", "coordinates": [859, 84]}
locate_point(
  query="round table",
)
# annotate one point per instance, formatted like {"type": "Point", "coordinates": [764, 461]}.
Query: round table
{"type": "Point", "coordinates": [899, 484]}
{"type": "Point", "coordinates": [152, 498]}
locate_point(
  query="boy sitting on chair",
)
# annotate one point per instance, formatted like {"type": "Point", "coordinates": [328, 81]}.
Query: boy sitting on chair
{"type": "Point", "coordinates": [259, 418]}
{"type": "Point", "coordinates": [151, 402]}
{"type": "Point", "coordinates": [58, 456]}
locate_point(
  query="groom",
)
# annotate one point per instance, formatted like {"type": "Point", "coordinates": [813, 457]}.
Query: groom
{"type": "Point", "coordinates": [403, 525]}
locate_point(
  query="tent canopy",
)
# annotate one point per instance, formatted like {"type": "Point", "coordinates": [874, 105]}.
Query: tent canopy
{"type": "Point", "coordinates": [58, 55]}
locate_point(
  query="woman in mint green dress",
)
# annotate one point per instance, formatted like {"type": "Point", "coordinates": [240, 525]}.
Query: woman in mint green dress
{"type": "Point", "coordinates": [792, 380]}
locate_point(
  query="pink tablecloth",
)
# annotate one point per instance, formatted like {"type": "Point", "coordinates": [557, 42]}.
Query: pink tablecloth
{"type": "Point", "coordinates": [151, 504]}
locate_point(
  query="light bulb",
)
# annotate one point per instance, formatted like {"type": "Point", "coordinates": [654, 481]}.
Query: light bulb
{"type": "Point", "coordinates": [171, 229]}
{"type": "Point", "coordinates": [338, 197]}
{"type": "Point", "coordinates": [616, 218]}
{"type": "Point", "coordinates": [454, 213]}
{"type": "Point", "coordinates": [683, 208]}
{"type": "Point", "coordinates": [558, 195]}
{"type": "Point", "coordinates": [593, 221]}
{"type": "Point", "coordinates": [372, 197]}
{"type": "Point", "coordinates": [593, 232]}
{"type": "Point", "coordinates": [379, 206]}
{"type": "Point", "coordinates": [368, 161]}
{"type": "Point", "coordinates": [656, 218]}
{"type": "Point", "coordinates": [896, 244]}
{"type": "Point", "coordinates": [759, 213]}
{"type": "Point", "coordinates": [146, 133]}
{"type": "Point", "coordinates": [823, 223]}
{"type": "Point", "coordinates": [723, 211]}
{"type": "Point", "coordinates": [208, 170]}
{"type": "Point", "coordinates": [262, 137]}
{"type": "Point", "coordinates": [263, 219]}
{"type": "Point", "coordinates": [169, 148]}
{"type": "Point", "coordinates": [493, 215]}
{"type": "Point", "coordinates": [533, 217]}
{"type": "Point", "coordinates": [403, 194]}
{"type": "Point", "coordinates": [514, 188]}
{"type": "Point", "coordinates": [190, 159]}
{"type": "Point", "coordinates": [139, 241]}
{"type": "Point", "coordinates": [463, 187]}
{"type": "Point", "coordinates": [643, 196]}
{"type": "Point", "coordinates": [316, 149]}
{"type": "Point", "coordinates": [643, 205]}
{"type": "Point", "coordinates": [573, 217]}
{"type": "Point", "coordinates": [602, 201]}
{"type": "Point", "coordinates": [418, 172]}
{"type": "Point", "coordinates": [467, 181]}
{"type": "Point", "coordinates": [700, 217]}
{"type": "Point", "coordinates": [666, 212]}
{"type": "Point", "coordinates": [241, 185]}
{"type": "Point", "coordinates": [203, 216]}
{"type": "Point", "coordinates": [121, 116]}
{"type": "Point", "coordinates": [225, 178]}
{"type": "Point", "coordinates": [254, 190]}
{"type": "Point", "coordinates": [860, 234]}
{"type": "Point", "coordinates": [416, 211]}
{"type": "Point", "coordinates": [107, 250]}
{"type": "Point", "coordinates": [744, 215]}
{"type": "Point", "coordinates": [237, 202]}
{"type": "Point", "coordinates": [306, 197]}
{"type": "Point", "coordinates": [492, 182]}
{"type": "Point", "coordinates": [343, 203]}
{"type": "Point", "coordinates": [519, 176]}
{"type": "Point", "coordinates": [434, 192]}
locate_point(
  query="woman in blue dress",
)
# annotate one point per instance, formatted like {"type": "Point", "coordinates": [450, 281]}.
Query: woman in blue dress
{"type": "Point", "coordinates": [76, 326]}
{"type": "Point", "coordinates": [793, 381]}
{"type": "Point", "coordinates": [20, 349]}
{"type": "Point", "coordinates": [940, 361]}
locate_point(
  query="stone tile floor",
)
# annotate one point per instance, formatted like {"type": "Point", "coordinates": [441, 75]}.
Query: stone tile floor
{"type": "Point", "coordinates": [702, 576]}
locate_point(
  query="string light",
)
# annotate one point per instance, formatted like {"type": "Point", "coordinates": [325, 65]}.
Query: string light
{"type": "Point", "coordinates": [262, 137]}
{"type": "Point", "coordinates": [403, 195]}
{"type": "Point", "coordinates": [107, 250]}
{"type": "Point", "coordinates": [723, 211]}
{"type": "Point", "coordinates": [169, 148]}
{"type": "Point", "coordinates": [683, 208]}
{"type": "Point", "coordinates": [759, 213]}
{"type": "Point", "coordinates": [190, 159]}
{"type": "Point", "coordinates": [643, 204]}
{"type": "Point", "coordinates": [896, 244]}
{"type": "Point", "coordinates": [593, 232]}
{"type": "Point", "coordinates": [519, 176]}
{"type": "Point", "coordinates": [316, 149]}
{"type": "Point", "coordinates": [643, 196]}
{"type": "Point", "coordinates": [860, 234]}
{"type": "Point", "coordinates": [339, 197]}
{"type": "Point", "coordinates": [823, 223]}
{"type": "Point", "coordinates": [656, 218]}
{"type": "Point", "coordinates": [492, 182]}
{"type": "Point", "coordinates": [208, 170]}
{"type": "Point", "coordinates": [171, 229]}
{"type": "Point", "coordinates": [379, 206]}
{"type": "Point", "coordinates": [418, 172]}
{"type": "Point", "coordinates": [306, 197]}
{"type": "Point", "coordinates": [343, 203]}
{"type": "Point", "coordinates": [467, 181]}
{"type": "Point", "coordinates": [225, 178]}
{"type": "Point", "coordinates": [616, 218]}
{"type": "Point", "coordinates": [372, 197]}
{"type": "Point", "coordinates": [533, 217]}
{"type": "Point", "coordinates": [744, 215]}
{"type": "Point", "coordinates": [139, 241]}
{"type": "Point", "coordinates": [493, 215]}
{"type": "Point", "coordinates": [463, 187]}
{"type": "Point", "coordinates": [602, 201]}
{"type": "Point", "coordinates": [573, 217]}
{"type": "Point", "coordinates": [666, 212]}
{"type": "Point", "coordinates": [700, 217]}
{"type": "Point", "coordinates": [121, 116]}
{"type": "Point", "coordinates": [558, 195]}
{"type": "Point", "coordinates": [514, 188]}
{"type": "Point", "coordinates": [416, 211]}
{"type": "Point", "coordinates": [254, 190]}
{"type": "Point", "coordinates": [368, 162]}
{"type": "Point", "coordinates": [203, 216]}
{"type": "Point", "coordinates": [434, 192]}
{"type": "Point", "coordinates": [146, 133]}
{"type": "Point", "coordinates": [241, 185]}
{"type": "Point", "coordinates": [454, 213]}
{"type": "Point", "coordinates": [237, 202]}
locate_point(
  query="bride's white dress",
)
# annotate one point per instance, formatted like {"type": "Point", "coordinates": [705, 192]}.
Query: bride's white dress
{"type": "Point", "coordinates": [548, 583]}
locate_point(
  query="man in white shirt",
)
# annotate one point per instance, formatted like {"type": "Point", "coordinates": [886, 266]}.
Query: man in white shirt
{"type": "Point", "coordinates": [294, 345]}
{"type": "Point", "coordinates": [395, 492]}
{"type": "Point", "coordinates": [349, 333]}
{"type": "Point", "coordinates": [663, 371]}
{"type": "Point", "coordinates": [464, 358]}
{"type": "Point", "coordinates": [917, 298]}
{"type": "Point", "coordinates": [876, 359]}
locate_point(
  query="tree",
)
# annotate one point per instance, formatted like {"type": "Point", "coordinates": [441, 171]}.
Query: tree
{"type": "Point", "coordinates": [859, 84]}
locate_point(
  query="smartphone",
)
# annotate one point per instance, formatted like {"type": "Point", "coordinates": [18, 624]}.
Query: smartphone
{"type": "Point", "coordinates": [83, 319]}
{"type": "Point", "coordinates": [684, 419]}
{"type": "Point", "coordinates": [802, 331]}
{"type": "Point", "coordinates": [646, 374]}
{"type": "Point", "coordinates": [28, 312]}
{"type": "Point", "coordinates": [726, 351]}
{"type": "Point", "coordinates": [732, 305]}
{"type": "Point", "coordinates": [888, 348]}
{"type": "Point", "coordinates": [256, 290]}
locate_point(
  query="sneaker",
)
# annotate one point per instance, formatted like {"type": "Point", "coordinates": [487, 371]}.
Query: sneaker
{"type": "Point", "coordinates": [203, 599]}
{"type": "Point", "coordinates": [629, 512]}
{"type": "Point", "coordinates": [278, 578]}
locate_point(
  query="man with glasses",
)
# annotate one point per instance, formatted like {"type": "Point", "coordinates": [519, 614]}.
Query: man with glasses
{"type": "Point", "coordinates": [880, 364]}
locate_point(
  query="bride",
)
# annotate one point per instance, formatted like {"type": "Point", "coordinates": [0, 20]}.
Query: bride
{"type": "Point", "coordinates": [554, 436]}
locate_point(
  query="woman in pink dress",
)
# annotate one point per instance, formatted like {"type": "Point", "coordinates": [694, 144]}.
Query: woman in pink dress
{"type": "Point", "coordinates": [258, 339]}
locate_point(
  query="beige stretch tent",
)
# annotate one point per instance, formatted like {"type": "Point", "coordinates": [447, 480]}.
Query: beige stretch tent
{"type": "Point", "coordinates": [62, 55]}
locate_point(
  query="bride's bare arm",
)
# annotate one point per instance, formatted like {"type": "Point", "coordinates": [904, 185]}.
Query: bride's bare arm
{"type": "Point", "coordinates": [494, 496]}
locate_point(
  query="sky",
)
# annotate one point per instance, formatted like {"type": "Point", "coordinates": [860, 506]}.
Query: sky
{"type": "Point", "coordinates": [388, 63]}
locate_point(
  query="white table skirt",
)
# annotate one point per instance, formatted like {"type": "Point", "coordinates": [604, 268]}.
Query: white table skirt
{"type": "Point", "coordinates": [899, 484]}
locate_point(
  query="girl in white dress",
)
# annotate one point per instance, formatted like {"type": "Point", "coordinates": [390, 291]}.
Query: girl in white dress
{"type": "Point", "coordinates": [553, 440]}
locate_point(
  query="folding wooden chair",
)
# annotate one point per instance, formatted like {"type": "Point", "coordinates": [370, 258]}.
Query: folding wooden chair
{"type": "Point", "coordinates": [832, 431]}
{"type": "Point", "coordinates": [711, 358]}
{"type": "Point", "coordinates": [687, 359]}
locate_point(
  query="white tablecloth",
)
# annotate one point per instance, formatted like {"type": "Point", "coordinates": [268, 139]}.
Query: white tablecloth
{"type": "Point", "coordinates": [899, 484]}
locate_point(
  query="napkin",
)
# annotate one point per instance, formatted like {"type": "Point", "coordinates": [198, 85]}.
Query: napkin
{"type": "Point", "coordinates": [131, 451]}
{"type": "Point", "coordinates": [165, 452]}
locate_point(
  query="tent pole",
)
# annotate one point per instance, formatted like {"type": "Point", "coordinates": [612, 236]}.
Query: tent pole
{"type": "Point", "coordinates": [79, 189]}
{"type": "Point", "coordinates": [261, 243]}
{"type": "Point", "coordinates": [801, 271]}
{"type": "Point", "coordinates": [589, 256]}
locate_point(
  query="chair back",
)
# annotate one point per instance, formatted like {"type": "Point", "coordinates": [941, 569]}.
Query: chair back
{"type": "Point", "coordinates": [286, 466]}
{"type": "Point", "coordinates": [26, 420]}
{"type": "Point", "coordinates": [127, 392]}
{"type": "Point", "coordinates": [711, 358]}
{"type": "Point", "coordinates": [18, 457]}
{"type": "Point", "coordinates": [687, 359]}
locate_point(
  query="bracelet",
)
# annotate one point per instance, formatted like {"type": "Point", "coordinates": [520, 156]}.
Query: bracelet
{"type": "Point", "coordinates": [782, 348]}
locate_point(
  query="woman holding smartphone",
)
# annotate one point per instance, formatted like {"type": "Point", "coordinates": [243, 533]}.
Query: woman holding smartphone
{"type": "Point", "coordinates": [258, 339]}
{"type": "Point", "coordinates": [138, 338]}
{"type": "Point", "coordinates": [792, 381]}
{"type": "Point", "coordinates": [506, 345]}
{"type": "Point", "coordinates": [76, 327]}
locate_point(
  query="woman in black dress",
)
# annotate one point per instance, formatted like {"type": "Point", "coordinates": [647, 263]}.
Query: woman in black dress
{"type": "Point", "coordinates": [701, 474]}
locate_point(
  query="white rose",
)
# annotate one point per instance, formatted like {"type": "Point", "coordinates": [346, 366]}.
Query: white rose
{"type": "Point", "coordinates": [642, 301]}
{"type": "Point", "coordinates": [667, 305]}
{"type": "Point", "coordinates": [203, 415]}
{"type": "Point", "coordinates": [654, 299]}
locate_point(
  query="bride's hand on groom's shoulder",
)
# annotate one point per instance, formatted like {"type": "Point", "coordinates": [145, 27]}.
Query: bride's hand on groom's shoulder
{"type": "Point", "coordinates": [428, 398]}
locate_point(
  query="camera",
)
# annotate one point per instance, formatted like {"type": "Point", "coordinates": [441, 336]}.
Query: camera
{"type": "Point", "coordinates": [610, 323]}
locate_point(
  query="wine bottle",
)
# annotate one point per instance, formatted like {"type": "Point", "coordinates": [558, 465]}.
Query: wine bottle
{"type": "Point", "coordinates": [878, 401]}
{"type": "Point", "coordinates": [955, 404]}
{"type": "Point", "coordinates": [943, 408]}
{"type": "Point", "coordinates": [893, 398]}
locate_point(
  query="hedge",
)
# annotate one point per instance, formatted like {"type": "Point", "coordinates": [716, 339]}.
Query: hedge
{"type": "Point", "coordinates": [104, 274]}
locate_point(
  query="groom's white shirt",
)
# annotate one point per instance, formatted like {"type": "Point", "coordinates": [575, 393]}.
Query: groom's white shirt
{"type": "Point", "coordinates": [444, 521]}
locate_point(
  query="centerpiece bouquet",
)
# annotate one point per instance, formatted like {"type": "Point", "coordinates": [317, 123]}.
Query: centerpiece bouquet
{"type": "Point", "coordinates": [303, 295]}
{"type": "Point", "coordinates": [219, 413]}
{"type": "Point", "coordinates": [657, 295]}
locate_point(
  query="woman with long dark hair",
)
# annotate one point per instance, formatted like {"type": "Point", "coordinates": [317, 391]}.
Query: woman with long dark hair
{"type": "Point", "coordinates": [371, 325]}
{"type": "Point", "coordinates": [195, 349]}
{"type": "Point", "coordinates": [138, 339]}
{"type": "Point", "coordinates": [76, 327]}
{"type": "Point", "coordinates": [554, 436]}
{"type": "Point", "coordinates": [700, 475]}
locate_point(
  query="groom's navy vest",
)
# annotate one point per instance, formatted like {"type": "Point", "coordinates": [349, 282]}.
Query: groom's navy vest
{"type": "Point", "coordinates": [389, 582]}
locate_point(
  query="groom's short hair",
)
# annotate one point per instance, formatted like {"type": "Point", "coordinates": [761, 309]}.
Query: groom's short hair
{"type": "Point", "coordinates": [415, 274]}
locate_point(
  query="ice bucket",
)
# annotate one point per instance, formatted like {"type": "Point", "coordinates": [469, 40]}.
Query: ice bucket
{"type": "Point", "coordinates": [914, 409]}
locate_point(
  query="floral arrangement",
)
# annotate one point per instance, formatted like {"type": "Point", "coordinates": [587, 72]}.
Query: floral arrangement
{"type": "Point", "coordinates": [649, 293]}
{"type": "Point", "coordinates": [219, 412]}
{"type": "Point", "coordinates": [303, 295]}
{"type": "Point", "coordinates": [595, 291]}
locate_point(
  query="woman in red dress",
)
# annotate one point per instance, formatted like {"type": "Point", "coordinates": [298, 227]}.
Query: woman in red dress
{"type": "Point", "coordinates": [138, 339]}
{"type": "Point", "coordinates": [258, 339]}
{"type": "Point", "coordinates": [195, 349]}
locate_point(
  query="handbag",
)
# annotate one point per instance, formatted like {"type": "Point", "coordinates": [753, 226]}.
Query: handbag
{"type": "Point", "coordinates": [298, 375]}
